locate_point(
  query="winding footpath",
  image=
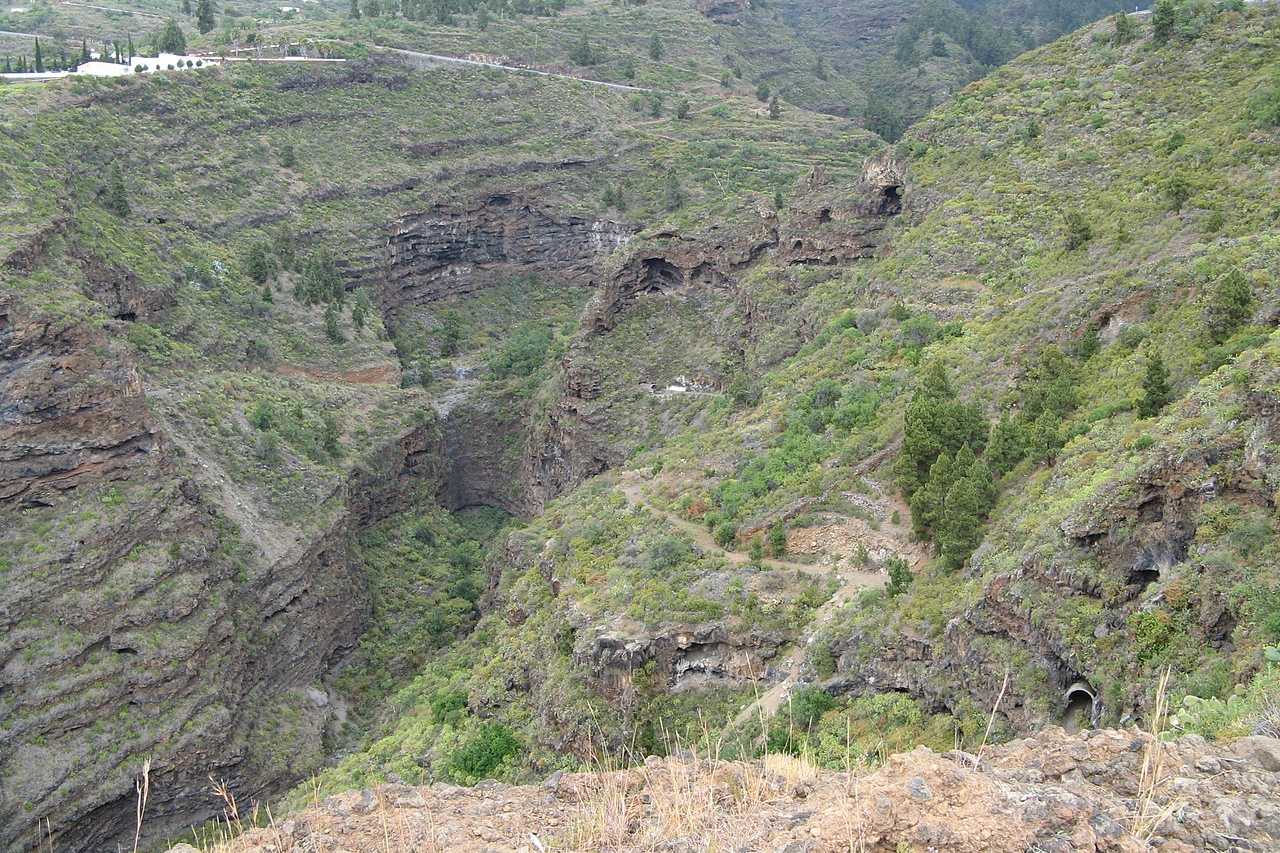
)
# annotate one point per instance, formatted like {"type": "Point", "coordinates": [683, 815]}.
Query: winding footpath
{"type": "Point", "coordinates": [852, 583]}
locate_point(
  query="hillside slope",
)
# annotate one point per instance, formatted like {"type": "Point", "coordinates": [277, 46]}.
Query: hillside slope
{"type": "Point", "coordinates": [218, 378]}
{"type": "Point", "coordinates": [1106, 543]}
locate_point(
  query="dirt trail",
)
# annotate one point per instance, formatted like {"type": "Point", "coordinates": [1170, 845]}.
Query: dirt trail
{"type": "Point", "coordinates": [851, 584]}
{"type": "Point", "coordinates": [634, 491]}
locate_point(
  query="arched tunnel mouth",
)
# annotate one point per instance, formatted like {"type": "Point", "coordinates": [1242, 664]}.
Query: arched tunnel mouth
{"type": "Point", "coordinates": [1082, 707]}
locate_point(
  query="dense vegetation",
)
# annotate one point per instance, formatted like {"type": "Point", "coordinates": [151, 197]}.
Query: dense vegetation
{"type": "Point", "coordinates": [1051, 394]}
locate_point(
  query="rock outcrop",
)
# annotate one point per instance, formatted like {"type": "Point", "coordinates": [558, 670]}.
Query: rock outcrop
{"type": "Point", "coordinates": [724, 11]}
{"type": "Point", "coordinates": [71, 408]}
{"type": "Point", "coordinates": [146, 623]}
{"type": "Point", "coordinates": [1053, 792]}
{"type": "Point", "coordinates": [684, 657]}
{"type": "Point", "coordinates": [453, 249]}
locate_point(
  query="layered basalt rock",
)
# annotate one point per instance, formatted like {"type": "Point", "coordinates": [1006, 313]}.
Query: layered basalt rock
{"type": "Point", "coordinates": [685, 657]}
{"type": "Point", "coordinates": [453, 250]}
{"type": "Point", "coordinates": [145, 623]}
{"type": "Point", "coordinates": [71, 408]}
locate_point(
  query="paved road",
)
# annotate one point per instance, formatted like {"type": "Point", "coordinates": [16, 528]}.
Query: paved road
{"type": "Point", "coordinates": [454, 60]}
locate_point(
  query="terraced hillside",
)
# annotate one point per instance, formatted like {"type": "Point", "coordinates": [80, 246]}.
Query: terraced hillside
{"type": "Point", "coordinates": [1111, 525]}
{"type": "Point", "coordinates": [218, 376]}
{"type": "Point", "coordinates": [414, 425]}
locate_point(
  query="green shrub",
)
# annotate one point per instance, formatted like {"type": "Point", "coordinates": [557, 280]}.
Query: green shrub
{"type": "Point", "coordinates": [1264, 103]}
{"type": "Point", "coordinates": [900, 576]}
{"type": "Point", "coordinates": [482, 752]}
{"type": "Point", "coordinates": [523, 353]}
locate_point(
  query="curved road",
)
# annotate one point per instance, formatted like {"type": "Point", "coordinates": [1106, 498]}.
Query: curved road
{"type": "Point", "coordinates": [436, 58]}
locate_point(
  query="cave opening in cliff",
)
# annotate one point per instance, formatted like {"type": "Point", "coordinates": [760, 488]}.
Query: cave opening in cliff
{"type": "Point", "coordinates": [1143, 578]}
{"type": "Point", "coordinates": [659, 274]}
{"type": "Point", "coordinates": [890, 201]}
{"type": "Point", "coordinates": [128, 316]}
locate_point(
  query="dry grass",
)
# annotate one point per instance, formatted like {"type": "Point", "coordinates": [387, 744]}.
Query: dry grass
{"type": "Point", "coordinates": [1268, 723]}
{"type": "Point", "coordinates": [1149, 814]}
{"type": "Point", "coordinates": [142, 785]}
{"type": "Point", "coordinates": [700, 801]}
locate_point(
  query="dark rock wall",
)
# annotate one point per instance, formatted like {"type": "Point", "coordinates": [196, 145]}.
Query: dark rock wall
{"type": "Point", "coordinates": [157, 629]}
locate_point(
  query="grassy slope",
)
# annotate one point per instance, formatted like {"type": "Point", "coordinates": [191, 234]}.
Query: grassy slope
{"type": "Point", "coordinates": [203, 165]}
{"type": "Point", "coordinates": [983, 248]}
{"type": "Point", "coordinates": [987, 247]}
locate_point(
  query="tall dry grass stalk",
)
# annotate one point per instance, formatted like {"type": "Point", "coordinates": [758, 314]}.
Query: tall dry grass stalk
{"type": "Point", "coordinates": [991, 720]}
{"type": "Point", "coordinates": [142, 786]}
{"type": "Point", "coordinates": [230, 810]}
{"type": "Point", "coordinates": [1148, 813]}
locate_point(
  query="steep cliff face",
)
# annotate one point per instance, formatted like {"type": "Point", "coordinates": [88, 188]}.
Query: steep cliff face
{"type": "Point", "coordinates": [71, 408]}
{"type": "Point", "coordinates": [140, 620]}
{"type": "Point", "coordinates": [453, 250]}
{"type": "Point", "coordinates": [700, 322]}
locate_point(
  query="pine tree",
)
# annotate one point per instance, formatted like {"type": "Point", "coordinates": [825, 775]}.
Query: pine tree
{"type": "Point", "coordinates": [775, 108]}
{"type": "Point", "coordinates": [582, 53]}
{"type": "Point", "coordinates": [900, 576]}
{"type": "Point", "coordinates": [186, 8]}
{"type": "Point", "coordinates": [1163, 20]}
{"type": "Point", "coordinates": [8, 66]}
{"type": "Point", "coordinates": [130, 49]}
{"type": "Point", "coordinates": [1126, 30]}
{"type": "Point", "coordinates": [935, 423]}
{"type": "Point", "coordinates": [961, 528]}
{"type": "Point", "coordinates": [673, 195]}
{"type": "Point", "coordinates": [205, 16]}
{"type": "Point", "coordinates": [331, 329]}
{"type": "Point", "coordinates": [656, 50]}
{"type": "Point", "coordinates": [360, 308]}
{"type": "Point", "coordinates": [1230, 306]}
{"type": "Point", "coordinates": [354, 11]}
{"type": "Point", "coordinates": [482, 18]}
{"type": "Point", "coordinates": [927, 502]}
{"type": "Point", "coordinates": [171, 39]}
{"type": "Point", "coordinates": [39, 58]}
{"type": "Point", "coordinates": [1007, 447]}
{"type": "Point", "coordinates": [984, 483]}
{"type": "Point", "coordinates": [1156, 391]}
{"type": "Point", "coordinates": [116, 198]}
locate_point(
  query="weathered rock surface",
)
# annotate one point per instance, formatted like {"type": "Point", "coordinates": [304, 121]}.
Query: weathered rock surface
{"type": "Point", "coordinates": [1053, 792]}
{"type": "Point", "coordinates": [71, 409]}
{"type": "Point", "coordinates": [723, 11]}
{"type": "Point", "coordinates": [685, 657]}
{"type": "Point", "coordinates": [147, 623]}
{"type": "Point", "coordinates": [452, 249]}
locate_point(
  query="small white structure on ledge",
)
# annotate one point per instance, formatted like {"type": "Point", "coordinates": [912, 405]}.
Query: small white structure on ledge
{"type": "Point", "coordinates": [147, 65]}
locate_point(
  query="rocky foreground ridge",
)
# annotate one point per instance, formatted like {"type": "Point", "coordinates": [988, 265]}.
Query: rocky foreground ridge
{"type": "Point", "coordinates": [1104, 790]}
